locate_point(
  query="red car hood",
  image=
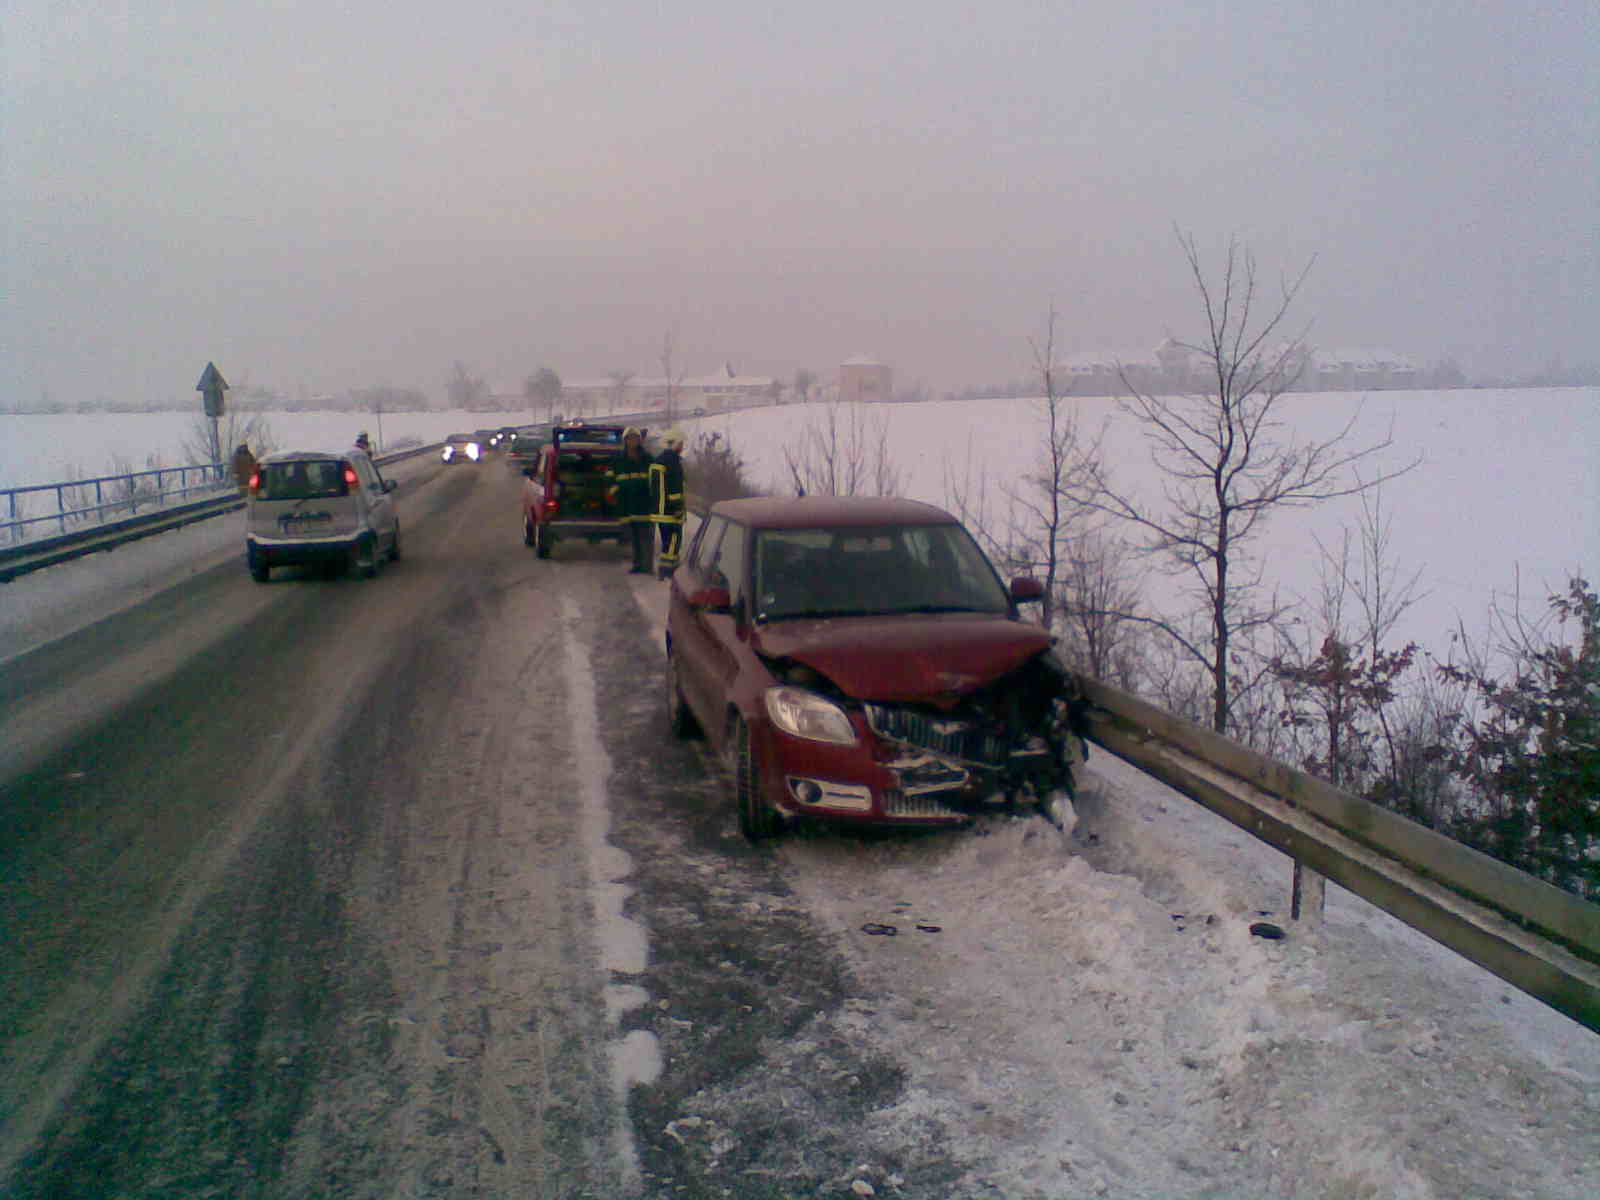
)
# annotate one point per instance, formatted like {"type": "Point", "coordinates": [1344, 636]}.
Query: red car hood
{"type": "Point", "coordinates": [932, 659]}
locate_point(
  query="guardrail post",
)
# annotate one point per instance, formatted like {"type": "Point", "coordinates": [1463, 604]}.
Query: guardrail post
{"type": "Point", "coordinates": [61, 507]}
{"type": "Point", "coordinates": [1307, 897]}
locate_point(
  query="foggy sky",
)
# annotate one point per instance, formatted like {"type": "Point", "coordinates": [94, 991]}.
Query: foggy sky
{"type": "Point", "coordinates": [323, 196]}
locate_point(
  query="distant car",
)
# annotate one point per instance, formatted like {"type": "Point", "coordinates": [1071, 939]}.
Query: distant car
{"type": "Point", "coordinates": [329, 508]}
{"type": "Point", "coordinates": [500, 439]}
{"type": "Point", "coordinates": [524, 448]}
{"type": "Point", "coordinates": [462, 447]}
{"type": "Point", "coordinates": [860, 660]}
{"type": "Point", "coordinates": [485, 439]}
{"type": "Point", "coordinates": [567, 492]}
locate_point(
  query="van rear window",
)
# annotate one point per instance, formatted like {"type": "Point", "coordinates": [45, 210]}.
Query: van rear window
{"type": "Point", "coordinates": [303, 479]}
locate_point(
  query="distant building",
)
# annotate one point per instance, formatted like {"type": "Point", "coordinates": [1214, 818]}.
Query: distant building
{"type": "Point", "coordinates": [866, 379]}
{"type": "Point", "coordinates": [716, 392]}
{"type": "Point", "coordinates": [1173, 369]}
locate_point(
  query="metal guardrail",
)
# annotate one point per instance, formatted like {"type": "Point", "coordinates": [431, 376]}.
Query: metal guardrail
{"type": "Point", "coordinates": [113, 494]}
{"type": "Point", "coordinates": [1534, 936]}
{"type": "Point", "coordinates": [47, 552]}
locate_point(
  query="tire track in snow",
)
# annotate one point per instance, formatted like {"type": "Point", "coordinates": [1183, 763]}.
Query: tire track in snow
{"type": "Point", "coordinates": [623, 945]}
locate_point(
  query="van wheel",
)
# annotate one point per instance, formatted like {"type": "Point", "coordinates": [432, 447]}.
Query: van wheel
{"type": "Point", "coordinates": [758, 820]}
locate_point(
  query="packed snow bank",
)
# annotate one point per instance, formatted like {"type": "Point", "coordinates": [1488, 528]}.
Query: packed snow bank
{"type": "Point", "coordinates": [1093, 1016]}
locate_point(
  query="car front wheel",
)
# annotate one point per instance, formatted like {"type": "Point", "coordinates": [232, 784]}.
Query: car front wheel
{"type": "Point", "coordinates": [758, 820]}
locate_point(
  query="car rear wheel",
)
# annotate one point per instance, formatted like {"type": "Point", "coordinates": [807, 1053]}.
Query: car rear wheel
{"type": "Point", "coordinates": [542, 541]}
{"type": "Point", "coordinates": [679, 719]}
{"type": "Point", "coordinates": [365, 559]}
{"type": "Point", "coordinates": [259, 571]}
{"type": "Point", "coordinates": [394, 546]}
{"type": "Point", "coordinates": [758, 820]}
{"type": "Point", "coordinates": [530, 537]}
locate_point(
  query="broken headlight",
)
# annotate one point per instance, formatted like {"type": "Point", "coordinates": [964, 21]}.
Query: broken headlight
{"type": "Point", "coordinates": [807, 715]}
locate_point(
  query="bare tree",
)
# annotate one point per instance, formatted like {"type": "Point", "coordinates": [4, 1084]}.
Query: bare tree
{"type": "Point", "coordinates": [465, 390]}
{"type": "Point", "coordinates": [1097, 588]}
{"type": "Point", "coordinates": [1048, 498]}
{"type": "Point", "coordinates": [620, 379]}
{"type": "Point", "coordinates": [543, 388]}
{"type": "Point", "coordinates": [1228, 465]}
{"type": "Point", "coordinates": [803, 382]}
{"type": "Point", "coordinates": [844, 452]}
{"type": "Point", "coordinates": [234, 429]}
{"type": "Point", "coordinates": [673, 380]}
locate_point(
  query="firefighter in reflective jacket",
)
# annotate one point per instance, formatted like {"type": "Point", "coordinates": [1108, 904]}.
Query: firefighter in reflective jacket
{"type": "Point", "coordinates": [629, 477]}
{"type": "Point", "coordinates": [666, 491]}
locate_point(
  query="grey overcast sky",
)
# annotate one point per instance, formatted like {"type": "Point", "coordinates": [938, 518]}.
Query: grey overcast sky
{"type": "Point", "coordinates": [324, 194]}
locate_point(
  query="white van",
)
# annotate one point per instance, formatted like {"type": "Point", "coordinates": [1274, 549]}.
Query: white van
{"type": "Point", "coordinates": [330, 508]}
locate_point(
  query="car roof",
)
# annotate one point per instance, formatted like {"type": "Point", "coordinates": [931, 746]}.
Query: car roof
{"type": "Point", "coordinates": [466, 437]}
{"type": "Point", "coordinates": [804, 512]}
{"type": "Point", "coordinates": [310, 455]}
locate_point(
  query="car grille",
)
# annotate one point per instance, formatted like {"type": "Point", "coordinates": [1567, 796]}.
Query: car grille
{"type": "Point", "coordinates": [898, 804]}
{"type": "Point", "coordinates": [954, 737]}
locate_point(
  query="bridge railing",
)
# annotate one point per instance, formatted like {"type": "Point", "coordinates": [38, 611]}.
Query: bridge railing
{"type": "Point", "coordinates": [79, 503]}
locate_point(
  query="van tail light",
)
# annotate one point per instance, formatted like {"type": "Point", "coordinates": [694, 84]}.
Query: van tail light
{"type": "Point", "coordinates": [255, 481]}
{"type": "Point", "coordinates": [350, 479]}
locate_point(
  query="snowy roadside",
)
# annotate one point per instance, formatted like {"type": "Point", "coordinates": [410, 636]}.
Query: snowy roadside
{"type": "Point", "coordinates": [44, 605]}
{"type": "Point", "coordinates": [1092, 1016]}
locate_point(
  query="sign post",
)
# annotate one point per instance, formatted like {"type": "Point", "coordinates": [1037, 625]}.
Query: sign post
{"type": "Point", "coordinates": [211, 387]}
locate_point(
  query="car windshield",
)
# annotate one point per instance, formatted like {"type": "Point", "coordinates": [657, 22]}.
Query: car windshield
{"type": "Point", "coordinates": [302, 479]}
{"type": "Point", "coordinates": [853, 571]}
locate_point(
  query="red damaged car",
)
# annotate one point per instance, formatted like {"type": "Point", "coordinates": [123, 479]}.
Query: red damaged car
{"type": "Point", "coordinates": [861, 660]}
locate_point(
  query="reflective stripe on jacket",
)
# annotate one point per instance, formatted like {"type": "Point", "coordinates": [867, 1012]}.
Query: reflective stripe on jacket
{"type": "Point", "coordinates": [666, 487]}
{"type": "Point", "coordinates": [630, 480]}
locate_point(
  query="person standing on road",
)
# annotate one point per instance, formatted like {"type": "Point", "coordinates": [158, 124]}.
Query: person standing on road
{"type": "Point", "coordinates": [666, 490]}
{"type": "Point", "coordinates": [244, 466]}
{"type": "Point", "coordinates": [630, 487]}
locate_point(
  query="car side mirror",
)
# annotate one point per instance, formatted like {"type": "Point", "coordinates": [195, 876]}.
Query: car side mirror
{"type": "Point", "coordinates": [389, 485]}
{"type": "Point", "coordinates": [713, 599]}
{"type": "Point", "coordinates": [1024, 590]}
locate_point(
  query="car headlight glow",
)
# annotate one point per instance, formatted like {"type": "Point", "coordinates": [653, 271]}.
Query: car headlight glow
{"type": "Point", "coordinates": [807, 715]}
{"type": "Point", "coordinates": [473, 451]}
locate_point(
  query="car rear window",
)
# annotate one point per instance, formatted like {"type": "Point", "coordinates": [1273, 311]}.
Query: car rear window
{"type": "Point", "coordinates": [303, 479]}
